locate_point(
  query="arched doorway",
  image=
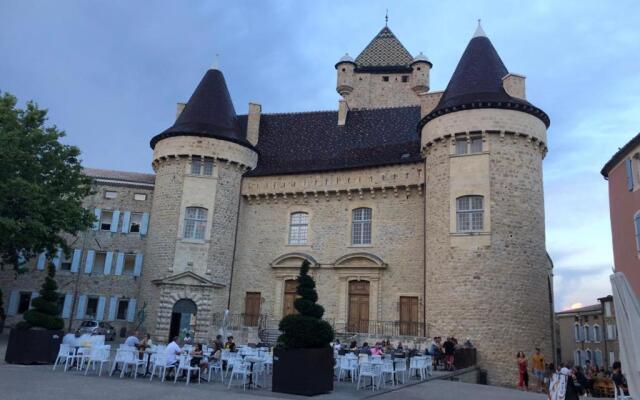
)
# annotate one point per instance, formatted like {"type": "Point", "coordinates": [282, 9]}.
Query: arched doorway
{"type": "Point", "coordinates": [181, 316]}
{"type": "Point", "coordinates": [358, 320]}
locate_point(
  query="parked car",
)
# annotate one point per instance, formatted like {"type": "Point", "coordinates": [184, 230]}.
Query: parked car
{"type": "Point", "coordinates": [98, 328]}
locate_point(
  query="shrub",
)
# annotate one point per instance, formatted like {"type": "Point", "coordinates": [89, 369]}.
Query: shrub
{"type": "Point", "coordinates": [45, 312]}
{"type": "Point", "coordinates": [306, 329]}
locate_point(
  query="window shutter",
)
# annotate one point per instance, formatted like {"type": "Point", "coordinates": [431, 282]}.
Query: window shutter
{"type": "Point", "coordinates": [144, 223]}
{"type": "Point", "coordinates": [33, 296]}
{"type": "Point", "coordinates": [629, 167]}
{"type": "Point", "coordinates": [13, 302]}
{"type": "Point", "coordinates": [82, 304]}
{"type": "Point", "coordinates": [100, 310]}
{"type": "Point", "coordinates": [75, 261]}
{"type": "Point", "coordinates": [113, 304]}
{"type": "Point", "coordinates": [131, 310]}
{"type": "Point", "coordinates": [108, 260]}
{"type": "Point", "coordinates": [114, 221]}
{"type": "Point", "coordinates": [125, 221]}
{"type": "Point", "coordinates": [42, 259]}
{"type": "Point", "coordinates": [637, 224]}
{"type": "Point", "coordinates": [96, 224]}
{"type": "Point", "coordinates": [66, 308]}
{"type": "Point", "coordinates": [138, 265]}
{"type": "Point", "coordinates": [88, 264]}
{"type": "Point", "coordinates": [56, 259]}
{"type": "Point", "coordinates": [119, 263]}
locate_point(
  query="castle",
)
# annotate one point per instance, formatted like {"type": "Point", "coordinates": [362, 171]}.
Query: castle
{"type": "Point", "coordinates": [421, 213]}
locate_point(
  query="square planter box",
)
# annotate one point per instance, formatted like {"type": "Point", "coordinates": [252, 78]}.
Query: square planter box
{"type": "Point", "coordinates": [33, 346]}
{"type": "Point", "coordinates": [304, 372]}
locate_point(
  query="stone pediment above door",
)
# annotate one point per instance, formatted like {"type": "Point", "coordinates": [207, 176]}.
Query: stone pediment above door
{"type": "Point", "coordinates": [293, 260]}
{"type": "Point", "coordinates": [187, 278]}
{"type": "Point", "coordinates": [360, 260]}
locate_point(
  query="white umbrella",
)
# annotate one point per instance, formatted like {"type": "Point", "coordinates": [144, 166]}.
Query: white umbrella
{"type": "Point", "coordinates": [627, 309]}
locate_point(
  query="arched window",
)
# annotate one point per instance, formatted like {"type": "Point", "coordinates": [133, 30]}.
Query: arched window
{"type": "Point", "coordinates": [195, 222]}
{"type": "Point", "coordinates": [576, 332]}
{"type": "Point", "coordinates": [470, 214]}
{"type": "Point", "coordinates": [596, 333]}
{"type": "Point", "coordinates": [577, 357]}
{"type": "Point", "coordinates": [598, 358]}
{"type": "Point", "coordinates": [361, 226]}
{"type": "Point", "coordinates": [587, 331]}
{"type": "Point", "coordinates": [298, 228]}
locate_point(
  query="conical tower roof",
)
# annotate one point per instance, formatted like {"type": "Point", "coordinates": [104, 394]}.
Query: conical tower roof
{"type": "Point", "coordinates": [209, 113]}
{"type": "Point", "coordinates": [384, 53]}
{"type": "Point", "coordinates": [477, 83]}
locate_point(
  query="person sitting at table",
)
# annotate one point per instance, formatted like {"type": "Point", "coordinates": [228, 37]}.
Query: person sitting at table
{"type": "Point", "coordinates": [172, 350]}
{"type": "Point", "coordinates": [144, 344]}
{"type": "Point", "coordinates": [377, 350]}
{"type": "Point", "coordinates": [353, 346]}
{"type": "Point", "coordinates": [132, 340]}
{"type": "Point", "coordinates": [198, 358]}
{"type": "Point", "coordinates": [230, 345]}
{"type": "Point", "coordinates": [336, 345]}
{"type": "Point", "coordinates": [365, 349]}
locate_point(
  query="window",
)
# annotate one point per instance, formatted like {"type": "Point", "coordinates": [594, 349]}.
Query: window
{"type": "Point", "coordinates": [298, 228]}
{"type": "Point", "coordinates": [207, 168]}
{"type": "Point", "coordinates": [195, 166]}
{"type": "Point", "coordinates": [385, 78]}
{"type": "Point", "coordinates": [587, 356]}
{"type": "Point", "coordinates": [611, 332]}
{"type": "Point", "coordinates": [92, 307]}
{"type": "Point", "coordinates": [470, 214]}
{"type": "Point", "coordinates": [105, 220]}
{"type": "Point", "coordinates": [636, 223]}
{"type": "Point", "coordinates": [99, 260]}
{"type": "Point", "coordinates": [65, 262]}
{"type": "Point", "coordinates": [140, 196]}
{"type": "Point", "coordinates": [470, 145]}
{"type": "Point", "coordinates": [134, 223]}
{"type": "Point", "coordinates": [361, 226]}
{"type": "Point", "coordinates": [576, 332]}
{"type": "Point", "coordinates": [629, 167]}
{"type": "Point", "coordinates": [109, 194]}
{"type": "Point", "coordinates": [405, 78]}
{"type": "Point", "coordinates": [607, 309]}
{"type": "Point", "coordinates": [24, 302]}
{"type": "Point", "coordinates": [129, 264]}
{"type": "Point", "coordinates": [596, 333]}
{"type": "Point", "coordinates": [195, 222]}
{"type": "Point", "coordinates": [597, 358]}
{"type": "Point", "coordinates": [586, 330]}
{"type": "Point", "coordinates": [577, 357]}
{"type": "Point", "coordinates": [201, 166]}
{"type": "Point", "coordinates": [123, 306]}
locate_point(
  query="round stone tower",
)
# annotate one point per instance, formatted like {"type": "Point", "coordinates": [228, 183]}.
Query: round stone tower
{"type": "Point", "coordinates": [345, 68]}
{"type": "Point", "coordinates": [199, 163]}
{"type": "Point", "coordinates": [488, 272]}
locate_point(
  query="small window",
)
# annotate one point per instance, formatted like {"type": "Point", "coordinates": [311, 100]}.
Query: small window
{"type": "Point", "coordinates": [99, 260]}
{"type": "Point", "coordinates": [195, 222]}
{"type": "Point", "coordinates": [469, 145]}
{"type": "Point", "coordinates": [596, 333]}
{"type": "Point", "coordinates": [129, 264]}
{"type": "Point", "coordinates": [298, 228]}
{"type": "Point", "coordinates": [586, 329]}
{"type": "Point", "coordinates": [65, 262]}
{"type": "Point", "coordinates": [109, 194]}
{"type": "Point", "coordinates": [361, 226]}
{"type": "Point", "coordinates": [636, 224]}
{"type": "Point", "coordinates": [385, 78]}
{"type": "Point", "coordinates": [207, 168]}
{"type": "Point", "coordinates": [405, 78]}
{"type": "Point", "coordinates": [470, 214]}
{"type": "Point", "coordinates": [92, 307]}
{"type": "Point", "coordinates": [123, 306]}
{"type": "Point", "coordinates": [461, 146]}
{"type": "Point", "coordinates": [418, 68]}
{"type": "Point", "coordinates": [134, 223]}
{"type": "Point", "coordinates": [607, 309]}
{"type": "Point", "coordinates": [196, 163]}
{"type": "Point", "coordinates": [140, 196]}
{"type": "Point", "coordinates": [105, 220]}
{"type": "Point", "coordinates": [24, 302]}
{"type": "Point", "coordinates": [344, 69]}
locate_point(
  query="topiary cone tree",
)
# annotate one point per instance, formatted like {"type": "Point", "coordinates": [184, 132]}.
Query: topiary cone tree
{"type": "Point", "coordinates": [306, 330]}
{"type": "Point", "coordinates": [45, 312]}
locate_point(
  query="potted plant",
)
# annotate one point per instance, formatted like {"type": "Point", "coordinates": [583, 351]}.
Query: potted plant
{"type": "Point", "coordinates": [36, 340]}
{"type": "Point", "coordinates": [303, 358]}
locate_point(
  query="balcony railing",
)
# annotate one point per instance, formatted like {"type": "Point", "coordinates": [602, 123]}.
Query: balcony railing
{"type": "Point", "coordinates": [238, 321]}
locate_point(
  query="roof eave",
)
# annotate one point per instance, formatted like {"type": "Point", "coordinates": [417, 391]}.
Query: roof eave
{"type": "Point", "coordinates": [619, 155]}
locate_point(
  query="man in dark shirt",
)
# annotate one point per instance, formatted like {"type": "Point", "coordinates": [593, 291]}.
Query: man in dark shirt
{"type": "Point", "coordinates": [449, 350]}
{"type": "Point", "coordinates": [618, 378]}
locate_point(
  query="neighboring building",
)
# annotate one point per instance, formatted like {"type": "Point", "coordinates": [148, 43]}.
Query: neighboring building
{"type": "Point", "coordinates": [421, 212]}
{"type": "Point", "coordinates": [589, 333]}
{"type": "Point", "coordinates": [623, 173]}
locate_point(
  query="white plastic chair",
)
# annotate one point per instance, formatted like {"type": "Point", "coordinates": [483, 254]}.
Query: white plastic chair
{"type": "Point", "coordinates": [258, 370]}
{"type": "Point", "coordinates": [348, 365]}
{"type": "Point", "coordinates": [416, 364]}
{"type": "Point", "coordinates": [400, 366]}
{"type": "Point", "coordinates": [215, 367]}
{"type": "Point", "coordinates": [619, 393]}
{"type": "Point", "coordinates": [387, 370]}
{"type": "Point", "coordinates": [428, 365]}
{"type": "Point", "coordinates": [131, 360]}
{"type": "Point", "coordinates": [363, 358]}
{"type": "Point", "coordinates": [184, 364]}
{"type": "Point", "coordinates": [239, 368]}
{"type": "Point", "coordinates": [66, 353]}
{"type": "Point", "coordinates": [160, 364]}
{"type": "Point", "coordinates": [98, 355]}
{"type": "Point", "coordinates": [368, 370]}
{"type": "Point", "coordinates": [82, 355]}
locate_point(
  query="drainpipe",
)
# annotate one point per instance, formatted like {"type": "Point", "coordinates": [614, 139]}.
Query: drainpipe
{"type": "Point", "coordinates": [424, 257]}
{"type": "Point", "coordinates": [604, 337]}
{"type": "Point", "coordinates": [235, 242]}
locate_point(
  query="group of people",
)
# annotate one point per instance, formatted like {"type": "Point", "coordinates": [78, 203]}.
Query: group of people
{"type": "Point", "coordinates": [378, 349]}
{"type": "Point", "coordinates": [537, 370]}
{"type": "Point", "coordinates": [445, 351]}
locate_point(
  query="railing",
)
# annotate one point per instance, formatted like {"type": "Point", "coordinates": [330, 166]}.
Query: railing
{"type": "Point", "coordinates": [379, 328]}
{"type": "Point", "coordinates": [238, 321]}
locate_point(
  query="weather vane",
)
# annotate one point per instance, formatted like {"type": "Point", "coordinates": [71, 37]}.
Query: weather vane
{"type": "Point", "coordinates": [386, 17]}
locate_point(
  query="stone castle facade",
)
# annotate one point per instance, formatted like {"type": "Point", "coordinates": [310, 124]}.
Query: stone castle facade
{"type": "Point", "coordinates": [420, 211]}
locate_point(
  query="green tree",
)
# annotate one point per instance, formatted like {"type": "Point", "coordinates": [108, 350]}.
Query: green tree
{"type": "Point", "coordinates": [42, 185]}
{"type": "Point", "coordinates": [45, 312]}
{"type": "Point", "coordinates": [306, 329]}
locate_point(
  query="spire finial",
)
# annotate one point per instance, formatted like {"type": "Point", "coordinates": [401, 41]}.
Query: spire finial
{"type": "Point", "coordinates": [216, 62]}
{"type": "Point", "coordinates": [479, 31]}
{"type": "Point", "coordinates": [386, 17]}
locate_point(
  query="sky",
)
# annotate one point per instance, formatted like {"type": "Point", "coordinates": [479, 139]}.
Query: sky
{"type": "Point", "coordinates": [111, 73]}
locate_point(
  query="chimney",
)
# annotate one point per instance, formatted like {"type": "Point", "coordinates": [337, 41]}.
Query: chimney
{"type": "Point", "coordinates": [253, 123]}
{"type": "Point", "coordinates": [513, 84]}
{"type": "Point", "coordinates": [179, 109]}
{"type": "Point", "coordinates": [343, 110]}
{"type": "Point", "coordinates": [429, 101]}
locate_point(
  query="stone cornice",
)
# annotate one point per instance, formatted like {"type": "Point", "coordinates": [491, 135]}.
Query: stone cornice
{"type": "Point", "coordinates": [449, 139]}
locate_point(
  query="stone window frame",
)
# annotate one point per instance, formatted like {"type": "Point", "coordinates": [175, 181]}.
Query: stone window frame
{"type": "Point", "coordinates": [472, 212]}
{"type": "Point", "coordinates": [586, 328]}
{"type": "Point", "coordinates": [597, 333]}
{"type": "Point", "coordinates": [117, 313]}
{"type": "Point", "coordinates": [465, 144]}
{"type": "Point", "coordinates": [363, 224]}
{"type": "Point", "coordinates": [201, 166]}
{"type": "Point", "coordinates": [297, 242]}
{"type": "Point", "coordinates": [577, 333]}
{"type": "Point", "coordinates": [197, 224]}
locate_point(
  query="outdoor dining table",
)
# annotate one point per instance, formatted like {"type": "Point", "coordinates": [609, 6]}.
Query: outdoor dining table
{"type": "Point", "coordinates": [252, 360]}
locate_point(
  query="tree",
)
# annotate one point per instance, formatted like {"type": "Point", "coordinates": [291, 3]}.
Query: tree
{"type": "Point", "coordinates": [42, 186]}
{"type": "Point", "coordinates": [2, 314]}
{"type": "Point", "coordinates": [306, 329]}
{"type": "Point", "coordinates": [45, 312]}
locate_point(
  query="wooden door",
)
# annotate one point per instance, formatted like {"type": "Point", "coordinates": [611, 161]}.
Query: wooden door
{"type": "Point", "coordinates": [409, 315]}
{"type": "Point", "coordinates": [290, 287]}
{"type": "Point", "coordinates": [358, 320]}
{"type": "Point", "coordinates": [252, 308]}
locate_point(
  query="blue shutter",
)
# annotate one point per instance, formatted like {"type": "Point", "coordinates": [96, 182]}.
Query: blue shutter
{"type": "Point", "coordinates": [637, 224]}
{"type": "Point", "coordinates": [96, 224]}
{"type": "Point", "coordinates": [138, 265]}
{"type": "Point", "coordinates": [114, 221]}
{"type": "Point", "coordinates": [131, 310]}
{"type": "Point", "coordinates": [82, 305]}
{"type": "Point", "coordinates": [113, 304]}
{"type": "Point", "coordinates": [629, 168]}
{"type": "Point", "coordinates": [42, 259]}
{"type": "Point", "coordinates": [125, 221]}
{"type": "Point", "coordinates": [119, 263]}
{"type": "Point", "coordinates": [33, 296]}
{"type": "Point", "coordinates": [100, 310]}
{"type": "Point", "coordinates": [66, 307]}
{"type": "Point", "coordinates": [56, 259]}
{"type": "Point", "coordinates": [108, 260]}
{"type": "Point", "coordinates": [88, 264]}
{"type": "Point", "coordinates": [144, 224]}
{"type": "Point", "coordinates": [75, 261]}
{"type": "Point", "coordinates": [14, 298]}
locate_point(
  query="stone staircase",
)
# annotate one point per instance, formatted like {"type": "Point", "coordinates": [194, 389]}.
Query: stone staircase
{"type": "Point", "coordinates": [269, 336]}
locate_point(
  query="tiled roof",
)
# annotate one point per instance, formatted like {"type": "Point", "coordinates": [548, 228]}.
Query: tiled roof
{"type": "Point", "coordinates": [589, 309]}
{"type": "Point", "coordinates": [620, 154]}
{"type": "Point", "coordinates": [314, 142]}
{"type": "Point", "coordinates": [385, 50]}
{"type": "Point", "coordinates": [123, 176]}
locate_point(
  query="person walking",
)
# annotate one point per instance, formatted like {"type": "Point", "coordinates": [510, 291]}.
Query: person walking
{"type": "Point", "coordinates": [523, 375]}
{"type": "Point", "coordinates": [537, 361]}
